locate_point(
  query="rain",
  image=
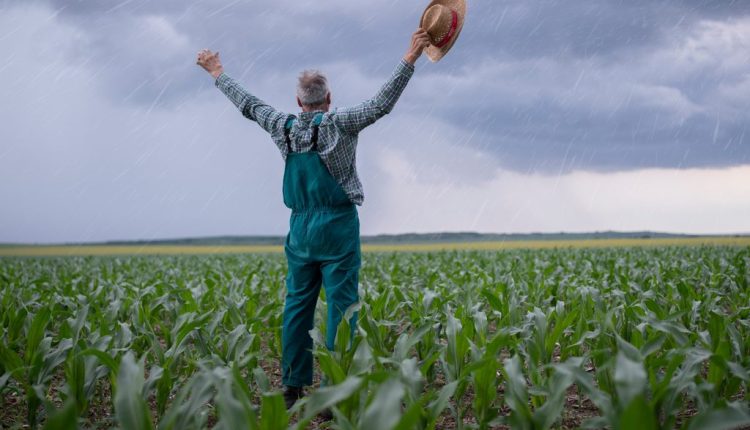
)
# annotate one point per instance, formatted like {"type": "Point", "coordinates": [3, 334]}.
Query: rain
{"type": "Point", "coordinates": [107, 119]}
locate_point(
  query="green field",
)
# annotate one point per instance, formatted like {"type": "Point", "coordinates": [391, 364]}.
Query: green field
{"type": "Point", "coordinates": [614, 336]}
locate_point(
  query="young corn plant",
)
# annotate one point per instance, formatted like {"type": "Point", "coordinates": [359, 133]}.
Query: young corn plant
{"type": "Point", "coordinates": [523, 414]}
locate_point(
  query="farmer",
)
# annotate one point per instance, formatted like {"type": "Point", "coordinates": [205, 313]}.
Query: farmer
{"type": "Point", "coordinates": [322, 188]}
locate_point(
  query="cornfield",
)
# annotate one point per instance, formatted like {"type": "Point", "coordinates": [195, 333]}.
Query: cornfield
{"type": "Point", "coordinates": [647, 338]}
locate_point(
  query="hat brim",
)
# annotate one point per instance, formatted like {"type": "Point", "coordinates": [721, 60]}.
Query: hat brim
{"type": "Point", "coordinates": [433, 52]}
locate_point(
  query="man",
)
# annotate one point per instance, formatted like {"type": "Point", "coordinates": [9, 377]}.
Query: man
{"type": "Point", "coordinates": [322, 188]}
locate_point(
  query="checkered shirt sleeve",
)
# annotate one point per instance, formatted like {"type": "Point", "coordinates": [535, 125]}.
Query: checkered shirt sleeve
{"type": "Point", "coordinates": [355, 118]}
{"type": "Point", "coordinates": [251, 107]}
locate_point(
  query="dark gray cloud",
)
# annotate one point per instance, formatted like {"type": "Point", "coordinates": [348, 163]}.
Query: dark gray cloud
{"type": "Point", "coordinates": [556, 52]}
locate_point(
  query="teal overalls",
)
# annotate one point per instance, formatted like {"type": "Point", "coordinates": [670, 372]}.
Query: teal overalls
{"type": "Point", "coordinates": [322, 247]}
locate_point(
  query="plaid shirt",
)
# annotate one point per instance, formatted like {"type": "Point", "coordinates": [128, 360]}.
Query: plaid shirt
{"type": "Point", "coordinates": [337, 135]}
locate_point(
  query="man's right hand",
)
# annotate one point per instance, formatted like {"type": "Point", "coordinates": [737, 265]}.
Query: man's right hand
{"type": "Point", "coordinates": [419, 41]}
{"type": "Point", "coordinates": [211, 62]}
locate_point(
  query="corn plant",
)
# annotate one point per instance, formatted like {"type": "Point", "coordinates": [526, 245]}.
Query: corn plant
{"type": "Point", "coordinates": [652, 337]}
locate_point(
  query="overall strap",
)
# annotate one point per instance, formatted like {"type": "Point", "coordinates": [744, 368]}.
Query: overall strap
{"type": "Point", "coordinates": [316, 124]}
{"type": "Point", "coordinates": [287, 129]}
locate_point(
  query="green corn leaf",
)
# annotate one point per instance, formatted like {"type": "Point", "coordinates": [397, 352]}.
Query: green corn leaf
{"type": "Point", "coordinates": [341, 420]}
{"type": "Point", "coordinates": [457, 348]}
{"type": "Point", "coordinates": [585, 381]}
{"type": "Point", "coordinates": [630, 378]}
{"type": "Point", "coordinates": [516, 395]}
{"type": "Point", "coordinates": [407, 341]}
{"type": "Point", "coordinates": [65, 418]}
{"type": "Point", "coordinates": [545, 416]}
{"type": "Point", "coordinates": [11, 362]}
{"type": "Point", "coordinates": [411, 377]}
{"type": "Point", "coordinates": [164, 387]}
{"type": "Point", "coordinates": [77, 323]}
{"type": "Point", "coordinates": [75, 375]}
{"type": "Point", "coordinates": [261, 379]}
{"type": "Point", "coordinates": [4, 380]}
{"type": "Point", "coordinates": [36, 333]}
{"type": "Point", "coordinates": [330, 366]}
{"type": "Point", "coordinates": [329, 396]}
{"type": "Point", "coordinates": [438, 405]}
{"type": "Point", "coordinates": [738, 371]}
{"type": "Point", "coordinates": [733, 416]}
{"type": "Point", "coordinates": [363, 360]}
{"type": "Point", "coordinates": [273, 415]}
{"type": "Point", "coordinates": [233, 338]}
{"type": "Point", "coordinates": [343, 337]}
{"type": "Point", "coordinates": [495, 303]}
{"type": "Point", "coordinates": [638, 415]}
{"type": "Point", "coordinates": [653, 345]}
{"type": "Point", "coordinates": [411, 418]}
{"type": "Point", "coordinates": [384, 411]}
{"type": "Point", "coordinates": [103, 358]}
{"type": "Point", "coordinates": [130, 407]}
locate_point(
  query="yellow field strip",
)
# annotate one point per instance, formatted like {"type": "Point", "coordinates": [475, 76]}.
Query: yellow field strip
{"type": "Point", "coordinates": [546, 244]}
{"type": "Point", "coordinates": [74, 250]}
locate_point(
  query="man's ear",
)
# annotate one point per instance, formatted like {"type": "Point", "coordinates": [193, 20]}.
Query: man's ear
{"type": "Point", "coordinates": [328, 98]}
{"type": "Point", "coordinates": [299, 102]}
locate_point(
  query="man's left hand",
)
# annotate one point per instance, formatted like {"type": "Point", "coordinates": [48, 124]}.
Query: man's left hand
{"type": "Point", "coordinates": [419, 41]}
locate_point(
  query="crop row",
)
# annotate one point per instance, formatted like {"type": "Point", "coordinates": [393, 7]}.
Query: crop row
{"type": "Point", "coordinates": [651, 337]}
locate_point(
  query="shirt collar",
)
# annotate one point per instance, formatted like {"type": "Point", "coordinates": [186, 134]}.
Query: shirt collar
{"type": "Point", "coordinates": [308, 116]}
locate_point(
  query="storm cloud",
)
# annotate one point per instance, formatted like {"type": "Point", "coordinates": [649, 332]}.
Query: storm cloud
{"type": "Point", "coordinates": [542, 85]}
{"type": "Point", "coordinates": [106, 115]}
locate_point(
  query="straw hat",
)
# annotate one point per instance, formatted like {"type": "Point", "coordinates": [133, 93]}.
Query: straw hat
{"type": "Point", "coordinates": [443, 21]}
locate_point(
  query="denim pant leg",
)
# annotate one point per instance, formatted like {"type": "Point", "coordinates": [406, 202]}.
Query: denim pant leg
{"type": "Point", "coordinates": [303, 286]}
{"type": "Point", "coordinates": [341, 282]}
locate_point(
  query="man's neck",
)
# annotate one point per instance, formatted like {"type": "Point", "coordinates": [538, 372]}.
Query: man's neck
{"type": "Point", "coordinates": [315, 108]}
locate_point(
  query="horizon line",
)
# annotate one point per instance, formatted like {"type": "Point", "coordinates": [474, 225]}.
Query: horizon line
{"type": "Point", "coordinates": [379, 235]}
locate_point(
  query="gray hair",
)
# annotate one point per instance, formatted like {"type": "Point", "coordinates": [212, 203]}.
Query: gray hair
{"type": "Point", "coordinates": [312, 88]}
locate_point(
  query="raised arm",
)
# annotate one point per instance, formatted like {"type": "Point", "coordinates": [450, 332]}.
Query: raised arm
{"type": "Point", "coordinates": [356, 118]}
{"type": "Point", "coordinates": [251, 107]}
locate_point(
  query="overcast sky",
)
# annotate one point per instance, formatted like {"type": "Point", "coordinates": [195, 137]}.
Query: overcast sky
{"type": "Point", "coordinates": [546, 116]}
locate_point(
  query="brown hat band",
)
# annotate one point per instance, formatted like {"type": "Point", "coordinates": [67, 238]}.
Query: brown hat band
{"type": "Point", "coordinates": [454, 25]}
